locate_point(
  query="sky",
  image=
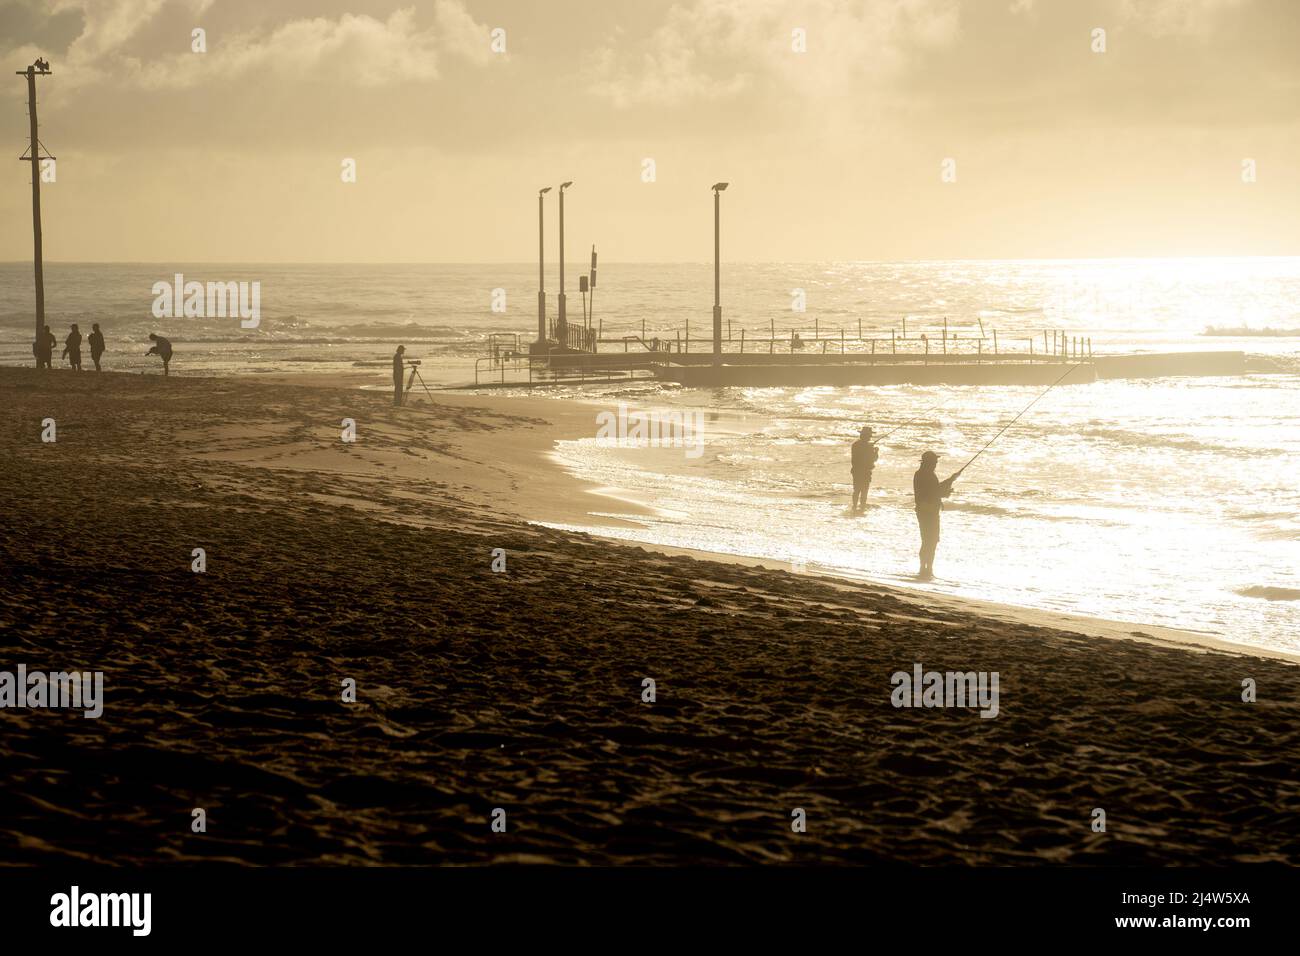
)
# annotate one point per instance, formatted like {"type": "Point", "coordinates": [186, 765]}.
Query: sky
{"type": "Point", "coordinates": [849, 130]}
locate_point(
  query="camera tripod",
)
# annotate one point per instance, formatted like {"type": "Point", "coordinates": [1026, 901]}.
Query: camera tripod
{"type": "Point", "coordinates": [410, 382]}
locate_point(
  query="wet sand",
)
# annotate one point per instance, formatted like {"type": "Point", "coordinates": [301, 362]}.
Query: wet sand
{"type": "Point", "coordinates": [523, 690]}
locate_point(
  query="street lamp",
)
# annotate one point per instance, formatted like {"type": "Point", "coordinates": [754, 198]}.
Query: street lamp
{"type": "Point", "coordinates": [717, 281]}
{"type": "Point", "coordinates": [563, 310]}
{"type": "Point", "coordinates": [541, 272]}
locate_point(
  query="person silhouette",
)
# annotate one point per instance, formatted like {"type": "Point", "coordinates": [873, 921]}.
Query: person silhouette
{"type": "Point", "coordinates": [929, 493]}
{"type": "Point", "coordinates": [41, 349]}
{"type": "Point", "coordinates": [96, 342]}
{"type": "Point", "coordinates": [161, 348]}
{"type": "Point", "coordinates": [864, 456]}
{"type": "Point", "coordinates": [72, 348]}
{"type": "Point", "coordinates": [397, 375]}
{"type": "Point", "coordinates": [45, 349]}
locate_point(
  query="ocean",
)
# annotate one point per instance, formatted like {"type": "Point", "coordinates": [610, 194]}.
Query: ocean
{"type": "Point", "coordinates": [1169, 501]}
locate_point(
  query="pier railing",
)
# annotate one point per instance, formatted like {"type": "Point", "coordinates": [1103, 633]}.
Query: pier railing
{"type": "Point", "coordinates": [937, 346]}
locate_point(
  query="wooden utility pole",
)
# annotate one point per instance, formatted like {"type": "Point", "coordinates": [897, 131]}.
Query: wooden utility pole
{"type": "Point", "coordinates": [34, 156]}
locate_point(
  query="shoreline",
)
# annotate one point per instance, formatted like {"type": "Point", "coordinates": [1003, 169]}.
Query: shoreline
{"type": "Point", "coordinates": [522, 687]}
{"type": "Point", "coordinates": [633, 506]}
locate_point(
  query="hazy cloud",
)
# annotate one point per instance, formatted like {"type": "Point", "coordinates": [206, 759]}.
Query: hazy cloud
{"type": "Point", "coordinates": [1167, 18]}
{"type": "Point", "coordinates": [358, 48]}
{"type": "Point", "coordinates": [715, 49]}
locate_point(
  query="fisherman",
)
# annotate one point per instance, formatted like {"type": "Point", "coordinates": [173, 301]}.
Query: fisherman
{"type": "Point", "coordinates": [96, 341]}
{"type": "Point", "coordinates": [929, 492]}
{"type": "Point", "coordinates": [864, 456]}
{"type": "Point", "coordinates": [72, 349]}
{"type": "Point", "coordinates": [161, 348]}
{"type": "Point", "coordinates": [397, 375]}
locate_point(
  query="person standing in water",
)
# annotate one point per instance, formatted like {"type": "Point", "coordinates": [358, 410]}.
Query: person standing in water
{"type": "Point", "coordinates": [864, 456]}
{"type": "Point", "coordinates": [96, 342]}
{"type": "Point", "coordinates": [929, 492]}
{"type": "Point", "coordinates": [397, 375]}
{"type": "Point", "coordinates": [161, 348]}
{"type": "Point", "coordinates": [72, 349]}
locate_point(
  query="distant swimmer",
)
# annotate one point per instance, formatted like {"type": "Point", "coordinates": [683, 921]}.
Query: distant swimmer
{"type": "Point", "coordinates": [161, 348]}
{"type": "Point", "coordinates": [96, 342]}
{"type": "Point", "coordinates": [864, 457]}
{"type": "Point", "coordinates": [929, 492]}
{"type": "Point", "coordinates": [72, 348]}
{"type": "Point", "coordinates": [397, 375]}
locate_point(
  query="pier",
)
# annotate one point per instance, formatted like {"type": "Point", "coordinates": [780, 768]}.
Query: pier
{"type": "Point", "coordinates": [811, 357]}
{"type": "Point", "coordinates": [934, 353]}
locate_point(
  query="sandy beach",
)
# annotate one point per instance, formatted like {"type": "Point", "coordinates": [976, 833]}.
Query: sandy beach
{"type": "Point", "coordinates": [475, 689]}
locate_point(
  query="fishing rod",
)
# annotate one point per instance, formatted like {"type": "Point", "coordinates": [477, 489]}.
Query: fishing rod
{"type": "Point", "coordinates": [1017, 418]}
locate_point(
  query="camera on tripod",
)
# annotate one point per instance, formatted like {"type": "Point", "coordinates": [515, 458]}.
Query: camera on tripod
{"type": "Point", "coordinates": [412, 363]}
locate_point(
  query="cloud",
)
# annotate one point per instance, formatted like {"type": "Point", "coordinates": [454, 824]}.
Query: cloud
{"type": "Point", "coordinates": [353, 48]}
{"type": "Point", "coordinates": [1172, 18]}
{"type": "Point", "coordinates": [715, 49]}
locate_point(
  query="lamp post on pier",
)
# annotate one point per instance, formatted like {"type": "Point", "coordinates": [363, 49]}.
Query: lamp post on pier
{"type": "Point", "coordinates": [717, 276]}
{"type": "Point", "coordinates": [563, 309]}
{"type": "Point", "coordinates": [541, 272]}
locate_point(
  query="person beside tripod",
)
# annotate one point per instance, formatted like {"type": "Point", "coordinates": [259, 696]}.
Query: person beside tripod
{"type": "Point", "coordinates": [399, 361]}
{"type": "Point", "coordinates": [397, 374]}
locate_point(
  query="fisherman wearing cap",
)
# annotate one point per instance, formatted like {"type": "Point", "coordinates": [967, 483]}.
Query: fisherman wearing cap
{"type": "Point", "coordinates": [397, 375]}
{"type": "Point", "coordinates": [929, 492]}
{"type": "Point", "coordinates": [864, 457]}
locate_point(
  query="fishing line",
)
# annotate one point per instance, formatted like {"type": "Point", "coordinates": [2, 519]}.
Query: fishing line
{"type": "Point", "coordinates": [877, 441]}
{"type": "Point", "coordinates": [1017, 418]}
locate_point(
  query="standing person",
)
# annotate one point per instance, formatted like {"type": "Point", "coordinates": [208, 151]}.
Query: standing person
{"type": "Point", "coordinates": [929, 492]}
{"type": "Point", "coordinates": [161, 348]}
{"type": "Point", "coordinates": [397, 375]}
{"type": "Point", "coordinates": [72, 349]}
{"type": "Point", "coordinates": [41, 349]}
{"type": "Point", "coordinates": [864, 457]}
{"type": "Point", "coordinates": [96, 342]}
{"type": "Point", "coordinates": [48, 348]}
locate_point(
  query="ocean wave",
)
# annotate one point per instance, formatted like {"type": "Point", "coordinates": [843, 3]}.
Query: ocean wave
{"type": "Point", "coordinates": [1148, 440]}
{"type": "Point", "coordinates": [1270, 593]}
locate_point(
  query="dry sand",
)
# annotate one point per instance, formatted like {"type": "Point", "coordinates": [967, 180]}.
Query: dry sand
{"type": "Point", "coordinates": [522, 690]}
